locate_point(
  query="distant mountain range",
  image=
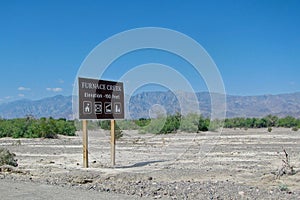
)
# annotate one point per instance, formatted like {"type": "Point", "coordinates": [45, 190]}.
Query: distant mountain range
{"type": "Point", "coordinates": [56, 107]}
{"type": "Point", "coordinates": [237, 106]}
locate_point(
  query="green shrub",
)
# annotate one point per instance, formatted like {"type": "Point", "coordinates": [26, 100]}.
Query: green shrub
{"type": "Point", "coordinates": [33, 128]}
{"type": "Point", "coordinates": [105, 124]}
{"type": "Point", "coordinates": [128, 124]}
{"type": "Point", "coordinates": [188, 126]}
{"type": "Point", "coordinates": [155, 126]}
{"type": "Point", "coordinates": [7, 158]}
{"type": "Point", "coordinates": [190, 123]}
{"type": "Point", "coordinates": [203, 124]}
{"type": "Point", "coordinates": [142, 122]}
{"type": "Point", "coordinates": [171, 125]}
{"type": "Point", "coordinates": [295, 128]}
{"type": "Point", "coordinates": [283, 187]}
{"type": "Point", "coordinates": [269, 129]}
{"type": "Point", "coordinates": [214, 125]}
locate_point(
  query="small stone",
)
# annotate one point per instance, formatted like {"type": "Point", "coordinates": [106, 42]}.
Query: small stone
{"type": "Point", "coordinates": [242, 193]}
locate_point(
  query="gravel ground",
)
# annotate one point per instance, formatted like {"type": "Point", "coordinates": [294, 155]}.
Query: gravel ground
{"type": "Point", "coordinates": [238, 164]}
{"type": "Point", "coordinates": [32, 191]}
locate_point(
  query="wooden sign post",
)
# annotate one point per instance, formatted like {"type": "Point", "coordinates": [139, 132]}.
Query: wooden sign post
{"type": "Point", "coordinates": [100, 99]}
{"type": "Point", "coordinates": [85, 144]}
{"type": "Point", "coordinates": [112, 142]}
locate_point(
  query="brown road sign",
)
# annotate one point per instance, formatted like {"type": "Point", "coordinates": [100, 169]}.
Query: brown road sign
{"type": "Point", "coordinates": [100, 99]}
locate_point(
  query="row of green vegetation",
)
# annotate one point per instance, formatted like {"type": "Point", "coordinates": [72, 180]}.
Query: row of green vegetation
{"type": "Point", "coordinates": [36, 128]}
{"type": "Point", "coordinates": [268, 121]}
{"type": "Point", "coordinates": [196, 123]}
{"type": "Point", "coordinates": [49, 127]}
{"type": "Point", "coordinates": [160, 125]}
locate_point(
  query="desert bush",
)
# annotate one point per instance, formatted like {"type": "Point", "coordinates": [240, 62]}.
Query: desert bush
{"type": "Point", "coordinates": [288, 122]}
{"type": "Point", "coordinates": [118, 133]}
{"type": "Point", "coordinates": [287, 168]}
{"type": "Point", "coordinates": [7, 158]}
{"type": "Point", "coordinates": [267, 121]}
{"type": "Point", "coordinates": [194, 123]}
{"type": "Point", "coordinates": [105, 124]}
{"type": "Point", "coordinates": [295, 128]}
{"type": "Point", "coordinates": [189, 123]}
{"type": "Point", "coordinates": [203, 124]}
{"type": "Point", "coordinates": [162, 125]}
{"type": "Point", "coordinates": [283, 187]}
{"type": "Point", "coordinates": [188, 126]}
{"type": "Point", "coordinates": [271, 120]}
{"type": "Point", "coordinates": [129, 124]}
{"type": "Point", "coordinates": [215, 125]}
{"type": "Point", "coordinates": [154, 127]}
{"type": "Point", "coordinates": [33, 128]}
{"type": "Point", "coordinates": [172, 124]}
{"type": "Point", "coordinates": [142, 122]}
{"type": "Point", "coordinates": [66, 127]}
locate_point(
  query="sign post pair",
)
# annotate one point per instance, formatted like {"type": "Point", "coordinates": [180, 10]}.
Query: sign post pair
{"type": "Point", "coordinates": [99, 100]}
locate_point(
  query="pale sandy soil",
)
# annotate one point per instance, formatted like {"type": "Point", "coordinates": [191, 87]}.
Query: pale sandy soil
{"type": "Point", "coordinates": [238, 164]}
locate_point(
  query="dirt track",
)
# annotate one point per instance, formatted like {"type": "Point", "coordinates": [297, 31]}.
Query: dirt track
{"type": "Point", "coordinates": [234, 165]}
{"type": "Point", "coordinates": [33, 191]}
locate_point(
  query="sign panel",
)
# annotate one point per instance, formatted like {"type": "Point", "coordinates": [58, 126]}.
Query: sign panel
{"type": "Point", "coordinates": [100, 99]}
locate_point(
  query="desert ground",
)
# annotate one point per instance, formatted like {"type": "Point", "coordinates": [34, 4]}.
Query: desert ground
{"type": "Point", "coordinates": [236, 164]}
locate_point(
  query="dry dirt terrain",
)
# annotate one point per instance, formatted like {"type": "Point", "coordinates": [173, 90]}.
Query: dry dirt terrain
{"type": "Point", "coordinates": [236, 164]}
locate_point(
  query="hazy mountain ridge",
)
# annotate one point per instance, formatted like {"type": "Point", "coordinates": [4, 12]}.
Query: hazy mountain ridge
{"type": "Point", "coordinates": [140, 104]}
{"type": "Point", "coordinates": [258, 106]}
{"type": "Point", "coordinates": [57, 107]}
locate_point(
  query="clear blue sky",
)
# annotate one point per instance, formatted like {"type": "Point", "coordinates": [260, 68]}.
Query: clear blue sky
{"type": "Point", "coordinates": [255, 44]}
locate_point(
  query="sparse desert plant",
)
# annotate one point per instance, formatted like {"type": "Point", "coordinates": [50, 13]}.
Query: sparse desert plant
{"type": "Point", "coordinates": [17, 143]}
{"type": "Point", "coordinates": [130, 124]}
{"type": "Point", "coordinates": [287, 168]}
{"type": "Point", "coordinates": [283, 187]}
{"type": "Point", "coordinates": [203, 124]}
{"type": "Point", "coordinates": [142, 122]}
{"type": "Point", "coordinates": [188, 126]}
{"type": "Point", "coordinates": [118, 133]}
{"type": "Point", "coordinates": [215, 125]}
{"type": "Point", "coordinates": [162, 125]}
{"type": "Point", "coordinates": [105, 124]}
{"type": "Point", "coordinates": [7, 158]}
{"type": "Point", "coordinates": [269, 129]}
{"type": "Point", "coordinates": [189, 123]}
{"type": "Point", "coordinates": [295, 128]}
